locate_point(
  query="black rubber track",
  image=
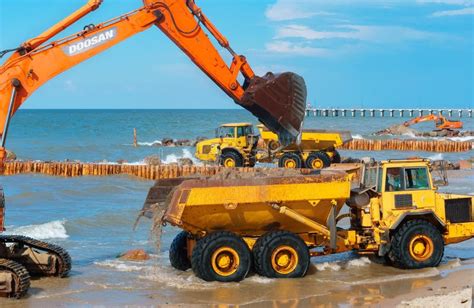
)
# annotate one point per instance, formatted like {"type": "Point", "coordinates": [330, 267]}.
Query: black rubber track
{"type": "Point", "coordinates": [64, 258]}
{"type": "Point", "coordinates": [203, 249]}
{"type": "Point", "coordinates": [179, 252]}
{"type": "Point", "coordinates": [22, 277]}
{"type": "Point", "coordinates": [399, 253]}
{"type": "Point", "coordinates": [262, 251]}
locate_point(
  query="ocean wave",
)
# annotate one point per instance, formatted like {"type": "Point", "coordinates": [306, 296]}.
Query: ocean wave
{"type": "Point", "coordinates": [337, 265]}
{"type": "Point", "coordinates": [438, 156]}
{"type": "Point", "coordinates": [358, 136]}
{"type": "Point", "coordinates": [364, 261]}
{"type": "Point", "coordinates": [173, 158]}
{"type": "Point", "coordinates": [50, 230]}
{"type": "Point", "coordinates": [461, 139]}
{"type": "Point", "coordinates": [150, 144]}
{"type": "Point", "coordinates": [121, 266]}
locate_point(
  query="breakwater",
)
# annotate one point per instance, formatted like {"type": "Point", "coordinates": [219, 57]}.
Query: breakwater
{"type": "Point", "coordinates": [149, 172]}
{"type": "Point", "coordinates": [440, 146]}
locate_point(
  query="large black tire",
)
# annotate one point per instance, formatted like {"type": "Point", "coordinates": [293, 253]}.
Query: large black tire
{"type": "Point", "coordinates": [218, 246]}
{"type": "Point", "coordinates": [336, 158]}
{"type": "Point", "coordinates": [286, 245]}
{"type": "Point", "coordinates": [231, 159]}
{"type": "Point", "coordinates": [318, 160]}
{"type": "Point", "coordinates": [416, 244]}
{"type": "Point", "coordinates": [179, 252]}
{"type": "Point", "coordinates": [290, 160]}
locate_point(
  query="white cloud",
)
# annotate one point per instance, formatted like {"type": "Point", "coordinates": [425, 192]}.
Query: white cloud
{"type": "Point", "coordinates": [448, 2]}
{"type": "Point", "coordinates": [464, 11]}
{"type": "Point", "coordinates": [290, 10]}
{"type": "Point", "coordinates": [378, 34]}
{"type": "Point", "coordinates": [289, 48]}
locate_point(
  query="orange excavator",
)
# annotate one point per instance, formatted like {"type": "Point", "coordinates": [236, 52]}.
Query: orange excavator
{"type": "Point", "coordinates": [277, 100]}
{"type": "Point", "coordinates": [440, 121]}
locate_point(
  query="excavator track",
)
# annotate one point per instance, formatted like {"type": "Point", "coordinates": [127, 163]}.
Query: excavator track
{"type": "Point", "coordinates": [64, 266]}
{"type": "Point", "coordinates": [21, 278]}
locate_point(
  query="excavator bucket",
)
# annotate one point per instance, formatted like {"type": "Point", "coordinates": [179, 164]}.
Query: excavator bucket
{"type": "Point", "coordinates": [279, 102]}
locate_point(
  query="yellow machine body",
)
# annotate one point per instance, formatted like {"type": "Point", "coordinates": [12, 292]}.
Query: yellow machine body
{"type": "Point", "coordinates": [309, 206]}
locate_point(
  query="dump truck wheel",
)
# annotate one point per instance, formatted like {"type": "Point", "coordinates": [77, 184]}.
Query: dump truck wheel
{"type": "Point", "coordinates": [290, 160]}
{"type": "Point", "coordinates": [318, 160]}
{"type": "Point", "coordinates": [417, 244]}
{"type": "Point", "coordinates": [281, 254]}
{"type": "Point", "coordinates": [231, 160]}
{"type": "Point", "coordinates": [221, 256]}
{"type": "Point", "coordinates": [336, 158]}
{"type": "Point", "coordinates": [273, 145]}
{"type": "Point", "coordinates": [179, 252]}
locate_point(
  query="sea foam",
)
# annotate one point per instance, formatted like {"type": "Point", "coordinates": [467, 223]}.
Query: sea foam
{"type": "Point", "coordinates": [50, 230]}
{"type": "Point", "coordinates": [173, 158]}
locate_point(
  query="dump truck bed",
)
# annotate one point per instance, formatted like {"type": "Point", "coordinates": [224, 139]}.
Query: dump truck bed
{"type": "Point", "coordinates": [311, 139]}
{"type": "Point", "coordinates": [245, 205]}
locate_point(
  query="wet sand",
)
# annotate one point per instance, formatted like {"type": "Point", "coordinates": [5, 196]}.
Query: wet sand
{"type": "Point", "coordinates": [352, 282]}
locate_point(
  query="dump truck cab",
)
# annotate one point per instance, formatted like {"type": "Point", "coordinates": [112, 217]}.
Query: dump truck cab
{"type": "Point", "coordinates": [233, 146]}
{"type": "Point", "coordinates": [398, 198]}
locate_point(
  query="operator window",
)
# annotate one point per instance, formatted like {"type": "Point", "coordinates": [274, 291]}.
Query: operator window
{"type": "Point", "coordinates": [393, 181]}
{"type": "Point", "coordinates": [226, 132]}
{"type": "Point", "coordinates": [416, 178]}
{"type": "Point", "coordinates": [248, 130]}
{"type": "Point", "coordinates": [241, 131]}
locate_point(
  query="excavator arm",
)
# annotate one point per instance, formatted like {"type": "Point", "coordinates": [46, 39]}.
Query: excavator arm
{"type": "Point", "coordinates": [276, 100]}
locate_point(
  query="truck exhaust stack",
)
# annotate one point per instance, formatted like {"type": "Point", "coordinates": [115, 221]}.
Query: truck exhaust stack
{"type": "Point", "coordinates": [279, 102]}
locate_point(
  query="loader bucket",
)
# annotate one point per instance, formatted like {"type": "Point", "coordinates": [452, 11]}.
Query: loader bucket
{"type": "Point", "coordinates": [279, 102]}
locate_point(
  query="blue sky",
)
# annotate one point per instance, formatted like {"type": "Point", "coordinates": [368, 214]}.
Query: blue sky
{"type": "Point", "coordinates": [352, 53]}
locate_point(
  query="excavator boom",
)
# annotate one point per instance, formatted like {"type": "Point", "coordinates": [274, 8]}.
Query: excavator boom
{"type": "Point", "coordinates": [277, 100]}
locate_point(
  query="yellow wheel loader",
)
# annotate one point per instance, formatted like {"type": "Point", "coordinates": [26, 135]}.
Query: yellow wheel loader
{"type": "Point", "coordinates": [235, 145]}
{"type": "Point", "coordinates": [275, 224]}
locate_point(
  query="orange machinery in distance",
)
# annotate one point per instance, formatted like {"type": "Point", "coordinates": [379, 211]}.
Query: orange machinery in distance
{"type": "Point", "coordinates": [278, 101]}
{"type": "Point", "coordinates": [440, 121]}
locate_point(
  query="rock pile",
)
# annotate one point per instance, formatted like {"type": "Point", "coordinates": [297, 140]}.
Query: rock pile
{"type": "Point", "coordinates": [170, 142]}
{"type": "Point", "coordinates": [398, 130]}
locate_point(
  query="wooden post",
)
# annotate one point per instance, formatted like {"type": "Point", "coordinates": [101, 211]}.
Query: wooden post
{"type": "Point", "coordinates": [135, 143]}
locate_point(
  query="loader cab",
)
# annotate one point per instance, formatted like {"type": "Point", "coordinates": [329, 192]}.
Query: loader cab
{"type": "Point", "coordinates": [406, 184]}
{"type": "Point", "coordinates": [235, 134]}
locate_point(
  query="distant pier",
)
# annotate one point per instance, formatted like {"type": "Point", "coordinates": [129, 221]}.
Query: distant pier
{"type": "Point", "coordinates": [385, 112]}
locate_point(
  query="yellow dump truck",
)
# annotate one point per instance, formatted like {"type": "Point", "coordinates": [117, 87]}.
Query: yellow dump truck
{"type": "Point", "coordinates": [316, 150]}
{"type": "Point", "coordinates": [274, 225]}
{"type": "Point", "coordinates": [236, 145]}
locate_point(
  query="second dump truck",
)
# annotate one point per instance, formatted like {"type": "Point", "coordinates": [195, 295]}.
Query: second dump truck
{"type": "Point", "coordinates": [275, 224]}
{"type": "Point", "coordinates": [237, 145]}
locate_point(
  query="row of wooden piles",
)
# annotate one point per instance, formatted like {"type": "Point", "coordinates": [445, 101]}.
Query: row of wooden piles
{"type": "Point", "coordinates": [440, 146]}
{"type": "Point", "coordinates": [148, 172]}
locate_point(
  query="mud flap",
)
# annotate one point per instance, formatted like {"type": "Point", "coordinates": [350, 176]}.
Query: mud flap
{"type": "Point", "coordinates": [332, 228]}
{"type": "Point", "coordinates": [279, 102]}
